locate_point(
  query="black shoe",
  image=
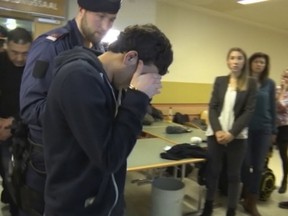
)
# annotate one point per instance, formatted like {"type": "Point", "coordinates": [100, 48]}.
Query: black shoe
{"type": "Point", "coordinates": [231, 212]}
{"type": "Point", "coordinates": [5, 197]}
{"type": "Point", "coordinates": [208, 208]}
{"type": "Point", "coordinates": [283, 205]}
{"type": "Point", "coordinates": [283, 188]}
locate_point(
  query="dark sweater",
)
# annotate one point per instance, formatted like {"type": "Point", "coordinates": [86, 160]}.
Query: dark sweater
{"type": "Point", "coordinates": [10, 79]}
{"type": "Point", "coordinates": [85, 145]}
{"type": "Point", "coordinates": [264, 117]}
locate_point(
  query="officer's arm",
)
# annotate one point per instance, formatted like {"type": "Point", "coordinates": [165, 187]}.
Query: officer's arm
{"type": "Point", "coordinates": [36, 81]}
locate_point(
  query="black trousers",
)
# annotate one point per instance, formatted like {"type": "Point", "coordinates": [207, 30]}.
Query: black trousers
{"type": "Point", "coordinates": [235, 153]}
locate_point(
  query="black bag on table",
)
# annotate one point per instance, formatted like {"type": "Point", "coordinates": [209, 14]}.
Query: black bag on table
{"type": "Point", "coordinates": [180, 118]}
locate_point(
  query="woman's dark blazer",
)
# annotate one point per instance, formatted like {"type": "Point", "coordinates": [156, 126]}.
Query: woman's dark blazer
{"type": "Point", "coordinates": [243, 108]}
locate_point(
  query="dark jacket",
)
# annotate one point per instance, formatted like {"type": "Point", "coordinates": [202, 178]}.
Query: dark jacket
{"type": "Point", "coordinates": [37, 74]}
{"type": "Point", "coordinates": [10, 79]}
{"type": "Point", "coordinates": [243, 108]}
{"type": "Point", "coordinates": [86, 140]}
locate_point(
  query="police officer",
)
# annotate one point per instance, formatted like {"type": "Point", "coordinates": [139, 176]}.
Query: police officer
{"type": "Point", "coordinates": [94, 19]}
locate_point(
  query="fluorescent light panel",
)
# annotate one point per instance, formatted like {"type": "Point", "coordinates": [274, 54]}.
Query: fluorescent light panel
{"type": "Point", "coordinates": [111, 36]}
{"type": "Point", "coordinates": [245, 2]}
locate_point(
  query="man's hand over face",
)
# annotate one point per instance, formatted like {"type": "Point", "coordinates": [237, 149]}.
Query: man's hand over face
{"type": "Point", "coordinates": [146, 81]}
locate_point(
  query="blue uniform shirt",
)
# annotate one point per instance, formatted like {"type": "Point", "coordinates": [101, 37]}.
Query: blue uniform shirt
{"type": "Point", "coordinates": [37, 74]}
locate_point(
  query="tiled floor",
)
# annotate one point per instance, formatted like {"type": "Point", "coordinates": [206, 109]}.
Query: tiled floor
{"type": "Point", "coordinates": [138, 198]}
{"type": "Point", "coordinates": [4, 210]}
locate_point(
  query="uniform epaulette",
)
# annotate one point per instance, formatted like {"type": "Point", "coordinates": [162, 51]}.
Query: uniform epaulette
{"type": "Point", "coordinates": [56, 36]}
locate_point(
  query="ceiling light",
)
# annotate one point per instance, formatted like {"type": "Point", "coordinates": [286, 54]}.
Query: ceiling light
{"type": "Point", "coordinates": [245, 2]}
{"type": "Point", "coordinates": [111, 36]}
{"type": "Point", "coordinates": [11, 24]}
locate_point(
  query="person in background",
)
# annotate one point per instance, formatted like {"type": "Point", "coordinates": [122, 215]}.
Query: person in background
{"type": "Point", "coordinates": [282, 136]}
{"type": "Point", "coordinates": [230, 110]}
{"type": "Point", "coordinates": [12, 62]}
{"type": "Point", "coordinates": [91, 125]}
{"type": "Point", "coordinates": [3, 35]}
{"type": "Point", "coordinates": [261, 133]}
{"type": "Point", "coordinates": [93, 20]}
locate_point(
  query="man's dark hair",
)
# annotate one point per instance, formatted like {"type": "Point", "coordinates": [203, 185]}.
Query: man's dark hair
{"type": "Point", "coordinates": [19, 36]}
{"type": "Point", "coordinates": [152, 46]}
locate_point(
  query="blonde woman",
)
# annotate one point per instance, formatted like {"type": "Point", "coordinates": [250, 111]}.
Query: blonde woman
{"type": "Point", "coordinates": [282, 137]}
{"type": "Point", "coordinates": [230, 109]}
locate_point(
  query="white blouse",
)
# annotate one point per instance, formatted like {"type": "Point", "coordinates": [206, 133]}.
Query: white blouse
{"type": "Point", "coordinates": [227, 116]}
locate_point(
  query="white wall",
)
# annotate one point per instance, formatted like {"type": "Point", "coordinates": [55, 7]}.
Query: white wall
{"type": "Point", "coordinates": [136, 12]}
{"type": "Point", "coordinates": [72, 9]}
{"type": "Point", "coordinates": [201, 40]}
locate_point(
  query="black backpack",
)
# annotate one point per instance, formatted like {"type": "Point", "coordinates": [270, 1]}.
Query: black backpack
{"type": "Point", "coordinates": [267, 184]}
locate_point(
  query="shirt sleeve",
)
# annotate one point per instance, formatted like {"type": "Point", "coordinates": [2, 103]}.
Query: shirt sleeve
{"type": "Point", "coordinates": [243, 120]}
{"type": "Point", "coordinates": [214, 104]}
{"type": "Point", "coordinates": [272, 97]}
{"type": "Point", "coordinates": [36, 80]}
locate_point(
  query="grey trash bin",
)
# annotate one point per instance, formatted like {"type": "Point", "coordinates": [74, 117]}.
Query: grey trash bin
{"type": "Point", "coordinates": [167, 195]}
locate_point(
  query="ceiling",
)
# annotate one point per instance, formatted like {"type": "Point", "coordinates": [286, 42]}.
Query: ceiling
{"type": "Point", "coordinates": [272, 13]}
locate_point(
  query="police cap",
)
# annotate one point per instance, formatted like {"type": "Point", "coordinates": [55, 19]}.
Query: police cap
{"type": "Point", "coordinates": [106, 6]}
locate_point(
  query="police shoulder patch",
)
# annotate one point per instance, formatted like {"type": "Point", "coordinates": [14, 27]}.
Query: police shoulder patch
{"type": "Point", "coordinates": [54, 36]}
{"type": "Point", "coordinates": [40, 69]}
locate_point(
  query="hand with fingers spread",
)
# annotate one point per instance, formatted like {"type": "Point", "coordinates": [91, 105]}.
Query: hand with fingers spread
{"type": "Point", "coordinates": [148, 83]}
